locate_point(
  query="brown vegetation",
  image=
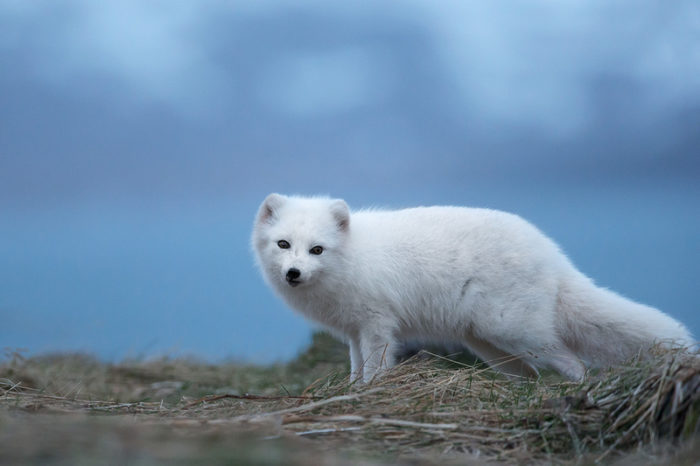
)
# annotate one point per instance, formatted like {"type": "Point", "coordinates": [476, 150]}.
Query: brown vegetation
{"type": "Point", "coordinates": [428, 409]}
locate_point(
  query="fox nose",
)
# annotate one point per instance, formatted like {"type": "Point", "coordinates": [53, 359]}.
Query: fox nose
{"type": "Point", "coordinates": [293, 274]}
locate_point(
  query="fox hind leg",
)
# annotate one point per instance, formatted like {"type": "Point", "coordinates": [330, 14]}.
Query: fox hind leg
{"type": "Point", "coordinates": [563, 361]}
{"type": "Point", "coordinates": [509, 364]}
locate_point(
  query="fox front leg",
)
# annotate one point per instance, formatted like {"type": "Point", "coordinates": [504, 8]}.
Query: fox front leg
{"type": "Point", "coordinates": [377, 350]}
{"type": "Point", "coordinates": [356, 361]}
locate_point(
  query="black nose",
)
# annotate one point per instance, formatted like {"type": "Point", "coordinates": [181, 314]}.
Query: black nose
{"type": "Point", "coordinates": [293, 274]}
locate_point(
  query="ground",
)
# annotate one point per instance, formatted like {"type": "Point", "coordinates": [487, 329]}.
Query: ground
{"type": "Point", "coordinates": [74, 409]}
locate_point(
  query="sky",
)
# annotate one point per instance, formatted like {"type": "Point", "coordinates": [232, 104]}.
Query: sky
{"type": "Point", "coordinates": [137, 140]}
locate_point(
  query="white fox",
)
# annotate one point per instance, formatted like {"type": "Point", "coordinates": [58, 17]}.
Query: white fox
{"type": "Point", "coordinates": [486, 279]}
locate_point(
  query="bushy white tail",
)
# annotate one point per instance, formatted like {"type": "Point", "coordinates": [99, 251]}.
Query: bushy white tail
{"type": "Point", "coordinates": [603, 328]}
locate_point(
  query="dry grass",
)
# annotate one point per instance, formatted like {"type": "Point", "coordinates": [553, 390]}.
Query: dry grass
{"type": "Point", "coordinates": [427, 410]}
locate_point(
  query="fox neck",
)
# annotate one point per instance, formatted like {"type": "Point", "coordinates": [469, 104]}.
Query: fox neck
{"type": "Point", "coordinates": [320, 302]}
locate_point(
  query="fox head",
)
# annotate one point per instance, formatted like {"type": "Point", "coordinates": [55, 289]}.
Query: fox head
{"type": "Point", "coordinates": [298, 241]}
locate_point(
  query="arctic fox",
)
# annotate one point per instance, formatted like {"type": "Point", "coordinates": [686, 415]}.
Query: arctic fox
{"type": "Point", "coordinates": [483, 278]}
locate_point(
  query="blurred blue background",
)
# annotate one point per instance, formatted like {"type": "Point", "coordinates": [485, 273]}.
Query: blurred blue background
{"type": "Point", "coordinates": [137, 139]}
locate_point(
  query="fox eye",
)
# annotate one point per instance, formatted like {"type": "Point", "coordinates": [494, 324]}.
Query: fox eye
{"type": "Point", "coordinates": [283, 244]}
{"type": "Point", "coordinates": [316, 250]}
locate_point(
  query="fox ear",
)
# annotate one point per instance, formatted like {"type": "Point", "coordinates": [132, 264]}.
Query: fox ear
{"type": "Point", "coordinates": [270, 207]}
{"type": "Point", "coordinates": [341, 214]}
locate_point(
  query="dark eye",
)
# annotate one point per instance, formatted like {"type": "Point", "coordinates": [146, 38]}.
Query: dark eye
{"type": "Point", "coordinates": [283, 244]}
{"type": "Point", "coordinates": [316, 250]}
